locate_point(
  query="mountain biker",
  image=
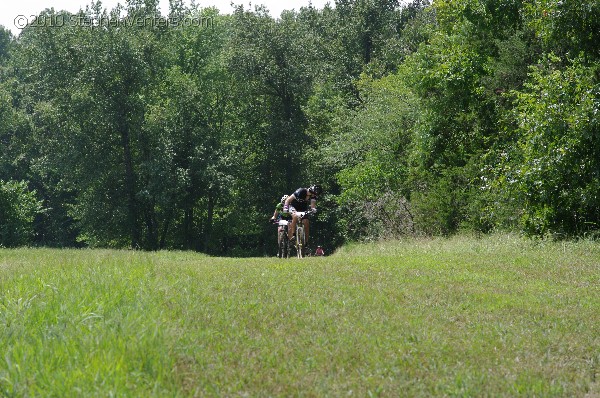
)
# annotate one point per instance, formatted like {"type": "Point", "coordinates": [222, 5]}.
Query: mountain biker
{"type": "Point", "coordinates": [278, 215]}
{"type": "Point", "coordinates": [299, 201]}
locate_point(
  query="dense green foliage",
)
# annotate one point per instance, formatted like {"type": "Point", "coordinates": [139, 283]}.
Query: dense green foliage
{"type": "Point", "coordinates": [18, 209]}
{"type": "Point", "coordinates": [499, 316]}
{"type": "Point", "coordinates": [418, 118]}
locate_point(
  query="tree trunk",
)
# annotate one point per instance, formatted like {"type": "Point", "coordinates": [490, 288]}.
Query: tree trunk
{"type": "Point", "coordinates": [165, 230]}
{"type": "Point", "coordinates": [188, 220]}
{"type": "Point", "coordinates": [132, 216]}
{"type": "Point", "coordinates": [152, 228]}
{"type": "Point", "coordinates": [209, 221]}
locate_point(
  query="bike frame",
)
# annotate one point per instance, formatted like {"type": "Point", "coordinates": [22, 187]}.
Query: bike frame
{"type": "Point", "coordinates": [300, 235]}
{"type": "Point", "coordinates": [283, 244]}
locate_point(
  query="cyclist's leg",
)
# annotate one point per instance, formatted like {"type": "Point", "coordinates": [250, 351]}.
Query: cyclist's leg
{"type": "Point", "coordinates": [292, 226]}
{"type": "Point", "coordinates": [306, 228]}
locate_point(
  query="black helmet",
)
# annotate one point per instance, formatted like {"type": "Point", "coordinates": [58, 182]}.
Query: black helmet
{"type": "Point", "coordinates": [316, 189]}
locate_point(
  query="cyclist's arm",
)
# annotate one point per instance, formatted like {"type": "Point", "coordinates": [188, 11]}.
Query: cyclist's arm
{"type": "Point", "coordinates": [289, 200]}
{"type": "Point", "coordinates": [278, 208]}
{"type": "Point", "coordinates": [313, 204]}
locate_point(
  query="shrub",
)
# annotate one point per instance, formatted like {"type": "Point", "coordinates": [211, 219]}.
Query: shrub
{"type": "Point", "coordinates": [18, 208]}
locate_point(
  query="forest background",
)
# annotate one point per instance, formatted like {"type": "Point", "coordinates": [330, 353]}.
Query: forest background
{"type": "Point", "coordinates": [421, 118]}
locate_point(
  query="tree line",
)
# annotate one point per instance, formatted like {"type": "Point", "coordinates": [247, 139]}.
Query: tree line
{"type": "Point", "coordinates": [417, 119]}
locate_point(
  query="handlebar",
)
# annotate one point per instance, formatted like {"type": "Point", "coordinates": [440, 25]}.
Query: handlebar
{"type": "Point", "coordinates": [301, 214]}
{"type": "Point", "coordinates": [305, 214]}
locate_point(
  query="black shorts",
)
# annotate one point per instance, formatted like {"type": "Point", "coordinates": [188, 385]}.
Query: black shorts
{"type": "Point", "coordinates": [300, 207]}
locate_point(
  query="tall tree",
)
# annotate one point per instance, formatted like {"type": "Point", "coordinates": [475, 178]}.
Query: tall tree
{"type": "Point", "coordinates": [273, 65]}
{"type": "Point", "coordinates": [186, 123]}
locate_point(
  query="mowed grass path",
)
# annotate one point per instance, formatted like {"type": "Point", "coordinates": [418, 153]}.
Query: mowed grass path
{"type": "Point", "coordinates": [458, 317]}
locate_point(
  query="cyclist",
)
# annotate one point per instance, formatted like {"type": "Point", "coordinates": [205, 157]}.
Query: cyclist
{"type": "Point", "coordinates": [299, 201]}
{"type": "Point", "coordinates": [279, 214]}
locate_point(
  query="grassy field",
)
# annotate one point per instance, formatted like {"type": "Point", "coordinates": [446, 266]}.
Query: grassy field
{"type": "Point", "coordinates": [498, 316]}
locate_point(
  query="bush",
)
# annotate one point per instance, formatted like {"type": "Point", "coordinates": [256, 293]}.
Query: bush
{"type": "Point", "coordinates": [557, 159]}
{"type": "Point", "coordinates": [18, 208]}
{"type": "Point", "coordinates": [439, 205]}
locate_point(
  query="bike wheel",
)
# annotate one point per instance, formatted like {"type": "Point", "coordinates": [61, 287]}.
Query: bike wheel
{"type": "Point", "coordinates": [286, 246]}
{"type": "Point", "coordinates": [286, 243]}
{"type": "Point", "coordinates": [300, 241]}
{"type": "Point", "coordinates": [282, 247]}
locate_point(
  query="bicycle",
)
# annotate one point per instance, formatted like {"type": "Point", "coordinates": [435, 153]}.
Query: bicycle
{"type": "Point", "coordinates": [283, 243]}
{"type": "Point", "coordinates": [301, 249]}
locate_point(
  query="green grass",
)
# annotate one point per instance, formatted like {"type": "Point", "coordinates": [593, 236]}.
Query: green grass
{"type": "Point", "coordinates": [498, 316]}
